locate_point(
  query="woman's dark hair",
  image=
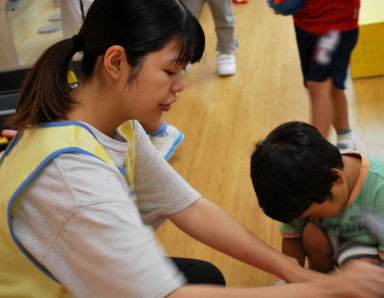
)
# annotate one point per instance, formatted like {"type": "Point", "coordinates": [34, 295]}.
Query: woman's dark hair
{"type": "Point", "coordinates": [139, 26]}
{"type": "Point", "coordinates": [293, 168]}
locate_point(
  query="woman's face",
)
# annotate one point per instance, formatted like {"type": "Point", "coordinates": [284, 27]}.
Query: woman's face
{"type": "Point", "coordinates": [154, 88]}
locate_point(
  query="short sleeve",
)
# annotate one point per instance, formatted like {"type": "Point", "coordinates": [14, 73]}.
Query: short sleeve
{"type": "Point", "coordinates": [160, 190]}
{"type": "Point", "coordinates": [292, 229]}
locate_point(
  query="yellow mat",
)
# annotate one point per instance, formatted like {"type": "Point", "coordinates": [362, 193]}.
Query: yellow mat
{"type": "Point", "coordinates": [368, 56]}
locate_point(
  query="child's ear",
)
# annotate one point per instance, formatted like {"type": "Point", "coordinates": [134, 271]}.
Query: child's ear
{"type": "Point", "coordinates": [340, 176]}
{"type": "Point", "coordinates": [115, 61]}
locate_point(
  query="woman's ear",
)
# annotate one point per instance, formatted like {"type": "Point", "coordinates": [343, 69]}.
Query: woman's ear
{"type": "Point", "coordinates": [340, 176]}
{"type": "Point", "coordinates": [115, 61]}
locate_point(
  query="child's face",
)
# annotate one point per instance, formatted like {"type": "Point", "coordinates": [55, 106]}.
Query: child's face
{"type": "Point", "coordinates": [332, 206]}
{"type": "Point", "coordinates": [326, 209]}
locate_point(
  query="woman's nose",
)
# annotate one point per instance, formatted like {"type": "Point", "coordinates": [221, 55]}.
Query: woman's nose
{"type": "Point", "coordinates": [178, 84]}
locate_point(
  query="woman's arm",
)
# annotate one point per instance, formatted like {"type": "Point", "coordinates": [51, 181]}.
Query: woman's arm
{"type": "Point", "coordinates": [358, 280]}
{"type": "Point", "coordinates": [213, 226]}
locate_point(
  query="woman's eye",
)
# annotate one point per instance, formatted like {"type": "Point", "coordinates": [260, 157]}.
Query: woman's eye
{"type": "Point", "coordinates": [171, 73]}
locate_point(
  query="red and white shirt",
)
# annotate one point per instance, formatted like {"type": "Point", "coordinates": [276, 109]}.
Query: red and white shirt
{"type": "Point", "coordinates": [322, 16]}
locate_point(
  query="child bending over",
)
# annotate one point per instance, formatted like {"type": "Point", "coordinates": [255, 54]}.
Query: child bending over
{"type": "Point", "coordinates": [318, 195]}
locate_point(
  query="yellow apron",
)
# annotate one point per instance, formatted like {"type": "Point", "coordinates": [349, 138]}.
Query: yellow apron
{"type": "Point", "coordinates": [20, 274]}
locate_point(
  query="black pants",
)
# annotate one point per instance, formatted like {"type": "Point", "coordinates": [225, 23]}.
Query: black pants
{"type": "Point", "coordinates": [199, 272]}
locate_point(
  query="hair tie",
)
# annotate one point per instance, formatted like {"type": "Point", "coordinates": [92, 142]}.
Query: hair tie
{"type": "Point", "coordinates": [77, 44]}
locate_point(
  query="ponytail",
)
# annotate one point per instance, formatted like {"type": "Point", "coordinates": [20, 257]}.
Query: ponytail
{"type": "Point", "coordinates": [45, 93]}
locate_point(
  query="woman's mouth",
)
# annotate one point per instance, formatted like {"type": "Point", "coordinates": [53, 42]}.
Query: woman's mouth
{"type": "Point", "coordinates": [165, 107]}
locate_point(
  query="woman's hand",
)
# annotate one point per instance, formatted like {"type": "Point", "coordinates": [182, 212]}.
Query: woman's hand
{"type": "Point", "coordinates": [357, 279]}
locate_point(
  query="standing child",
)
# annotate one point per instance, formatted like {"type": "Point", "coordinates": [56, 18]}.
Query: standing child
{"type": "Point", "coordinates": [326, 33]}
{"type": "Point", "coordinates": [318, 194]}
{"type": "Point", "coordinates": [225, 31]}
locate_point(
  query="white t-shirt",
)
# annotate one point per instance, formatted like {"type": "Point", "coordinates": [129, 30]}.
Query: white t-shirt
{"type": "Point", "coordinates": [77, 219]}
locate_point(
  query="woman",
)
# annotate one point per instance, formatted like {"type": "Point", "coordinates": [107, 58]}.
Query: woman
{"type": "Point", "coordinates": [81, 182]}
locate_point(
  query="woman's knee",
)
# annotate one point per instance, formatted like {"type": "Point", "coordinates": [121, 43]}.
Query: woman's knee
{"type": "Point", "coordinates": [199, 272]}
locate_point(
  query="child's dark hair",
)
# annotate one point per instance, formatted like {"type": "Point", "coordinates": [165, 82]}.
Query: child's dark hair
{"type": "Point", "coordinates": [140, 27]}
{"type": "Point", "coordinates": [293, 168]}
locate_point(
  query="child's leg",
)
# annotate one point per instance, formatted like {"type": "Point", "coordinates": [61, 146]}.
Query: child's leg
{"type": "Point", "coordinates": [225, 31]}
{"type": "Point", "coordinates": [321, 105]}
{"type": "Point", "coordinates": [340, 69]}
{"type": "Point", "coordinates": [195, 7]}
{"type": "Point", "coordinates": [340, 106]}
{"type": "Point", "coordinates": [317, 248]}
{"type": "Point", "coordinates": [224, 25]}
{"type": "Point", "coordinates": [345, 138]}
{"type": "Point", "coordinates": [317, 79]}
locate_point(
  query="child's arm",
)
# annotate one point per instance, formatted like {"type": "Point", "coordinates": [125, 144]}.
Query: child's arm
{"type": "Point", "coordinates": [293, 247]}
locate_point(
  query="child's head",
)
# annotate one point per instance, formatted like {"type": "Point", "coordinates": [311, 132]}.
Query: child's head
{"type": "Point", "coordinates": [139, 27]}
{"type": "Point", "coordinates": [293, 168]}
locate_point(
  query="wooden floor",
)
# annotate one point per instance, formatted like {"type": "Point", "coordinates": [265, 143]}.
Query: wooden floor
{"type": "Point", "coordinates": [222, 118]}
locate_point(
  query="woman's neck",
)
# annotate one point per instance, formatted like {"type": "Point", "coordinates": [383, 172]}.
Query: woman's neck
{"type": "Point", "coordinates": [94, 107]}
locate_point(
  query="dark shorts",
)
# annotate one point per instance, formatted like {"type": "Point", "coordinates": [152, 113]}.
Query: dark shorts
{"type": "Point", "coordinates": [326, 56]}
